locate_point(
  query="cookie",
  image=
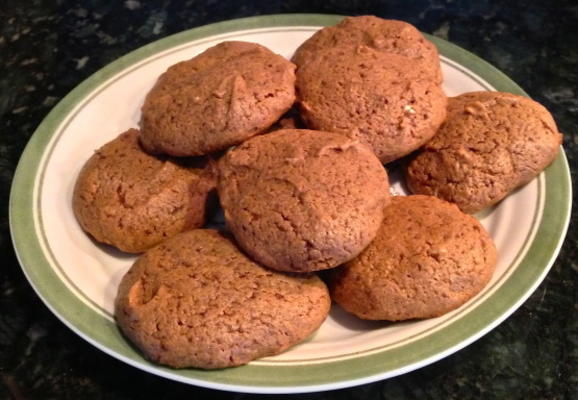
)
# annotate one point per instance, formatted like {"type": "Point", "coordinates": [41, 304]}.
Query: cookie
{"type": "Point", "coordinates": [427, 259]}
{"type": "Point", "coordinates": [490, 144]}
{"type": "Point", "coordinates": [381, 99]}
{"type": "Point", "coordinates": [132, 200]}
{"type": "Point", "coordinates": [218, 99]}
{"type": "Point", "coordinates": [384, 35]}
{"type": "Point", "coordinates": [197, 301]}
{"type": "Point", "coordinates": [301, 200]}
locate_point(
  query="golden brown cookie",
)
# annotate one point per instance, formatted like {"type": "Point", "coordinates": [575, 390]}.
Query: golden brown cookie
{"type": "Point", "coordinates": [132, 200]}
{"type": "Point", "coordinates": [301, 200]}
{"type": "Point", "coordinates": [384, 35]}
{"type": "Point", "coordinates": [220, 98]}
{"type": "Point", "coordinates": [197, 301]}
{"type": "Point", "coordinates": [490, 144]}
{"type": "Point", "coordinates": [428, 258]}
{"type": "Point", "coordinates": [381, 99]}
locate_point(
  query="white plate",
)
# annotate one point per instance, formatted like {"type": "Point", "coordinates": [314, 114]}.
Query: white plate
{"type": "Point", "coordinates": [78, 279]}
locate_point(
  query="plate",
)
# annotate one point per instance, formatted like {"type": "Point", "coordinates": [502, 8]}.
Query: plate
{"type": "Point", "coordinates": [77, 278]}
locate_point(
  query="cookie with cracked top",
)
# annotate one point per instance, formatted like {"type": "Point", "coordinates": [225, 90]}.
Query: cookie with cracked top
{"type": "Point", "coordinates": [133, 200]}
{"type": "Point", "coordinates": [302, 200]}
{"type": "Point", "coordinates": [428, 258]}
{"type": "Point", "coordinates": [384, 35]}
{"type": "Point", "coordinates": [490, 144]}
{"type": "Point", "coordinates": [382, 100]}
{"type": "Point", "coordinates": [223, 96]}
{"type": "Point", "coordinates": [197, 301]}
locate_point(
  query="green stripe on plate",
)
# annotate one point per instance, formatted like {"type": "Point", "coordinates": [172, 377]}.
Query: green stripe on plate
{"type": "Point", "coordinates": [102, 333]}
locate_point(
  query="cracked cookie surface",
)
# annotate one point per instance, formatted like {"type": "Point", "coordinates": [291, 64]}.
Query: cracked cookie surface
{"type": "Point", "coordinates": [197, 301]}
{"type": "Point", "coordinates": [302, 200]}
{"type": "Point", "coordinates": [218, 99]}
{"type": "Point", "coordinates": [490, 144]}
{"type": "Point", "coordinates": [381, 99]}
{"type": "Point", "coordinates": [428, 258]}
{"type": "Point", "coordinates": [383, 35]}
{"type": "Point", "coordinates": [132, 200]}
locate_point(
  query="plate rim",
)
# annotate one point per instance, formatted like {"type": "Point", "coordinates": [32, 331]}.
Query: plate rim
{"type": "Point", "coordinates": [23, 228]}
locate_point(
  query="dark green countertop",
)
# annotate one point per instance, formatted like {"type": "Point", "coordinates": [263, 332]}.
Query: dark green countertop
{"type": "Point", "coordinates": [49, 47]}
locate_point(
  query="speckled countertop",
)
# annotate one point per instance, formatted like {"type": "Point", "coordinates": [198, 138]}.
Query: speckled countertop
{"type": "Point", "coordinates": [49, 47]}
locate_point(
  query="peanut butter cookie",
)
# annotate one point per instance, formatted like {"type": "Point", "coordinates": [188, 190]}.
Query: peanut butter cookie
{"type": "Point", "coordinates": [301, 200]}
{"type": "Point", "coordinates": [427, 259]}
{"type": "Point", "coordinates": [132, 200]}
{"type": "Point", "coordinates": [490, 144]}
{"type": "Point", "coordinates": [381, 99]}
{"type": "Point", "coordinates": [220, 98]}
{"type": "Point", "coordinates": [384, 35]}
{"type": "Point", "coordinates": [197, 301]}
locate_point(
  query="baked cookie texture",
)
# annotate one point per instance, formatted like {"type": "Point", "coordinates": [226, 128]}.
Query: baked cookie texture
{"type": "Point", "coordinates": [428, 258]}
{"type": "Point", "coordinates": [197, 301]}
{"type": "Point", "coordinates": [381, 99]}
{"type": "Point", "coordinates": [302, 200]}
{"type": "Point", "coordinates": [384, 35]}
{"type": "Point", "coordinates": [220, 98]}
{"type": "Point", "coordinates": [490, 144]}
{"type": "Point", "coordinates": [132, 200]}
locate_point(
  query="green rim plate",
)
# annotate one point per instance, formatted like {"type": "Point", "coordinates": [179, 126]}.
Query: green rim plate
{"type": "Point", "coordinates": [26, 229]}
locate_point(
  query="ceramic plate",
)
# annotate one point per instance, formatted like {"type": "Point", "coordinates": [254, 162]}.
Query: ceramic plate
{"type": "Point", "coordinates": [77, 279]}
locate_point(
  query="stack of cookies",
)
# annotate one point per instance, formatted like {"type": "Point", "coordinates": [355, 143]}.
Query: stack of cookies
{"type": "Point", "coordinates": [298, 201]}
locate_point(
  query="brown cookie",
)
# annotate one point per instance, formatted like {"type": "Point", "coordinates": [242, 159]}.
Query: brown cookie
{"type": "Point", "coordinates": [197, 301]}
{"type": "Point", "coordinates": [380, 99]}
{"type": "Point", "coordinates": [132, 200]}
{"type": "Point", "coordinates": [428, 258]}
{"type": "Point", "coordinates": [490, 144]}
{"type": "Point", "coordinates": [220, 98]}
{"type": "Point", "coordinates": [301, 200]}
{"type": "Point", "coordinates": [384, 35]}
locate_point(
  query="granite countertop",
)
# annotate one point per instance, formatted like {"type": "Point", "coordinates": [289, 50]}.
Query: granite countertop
{"type": "Point", "coordinates": [49, 47]}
